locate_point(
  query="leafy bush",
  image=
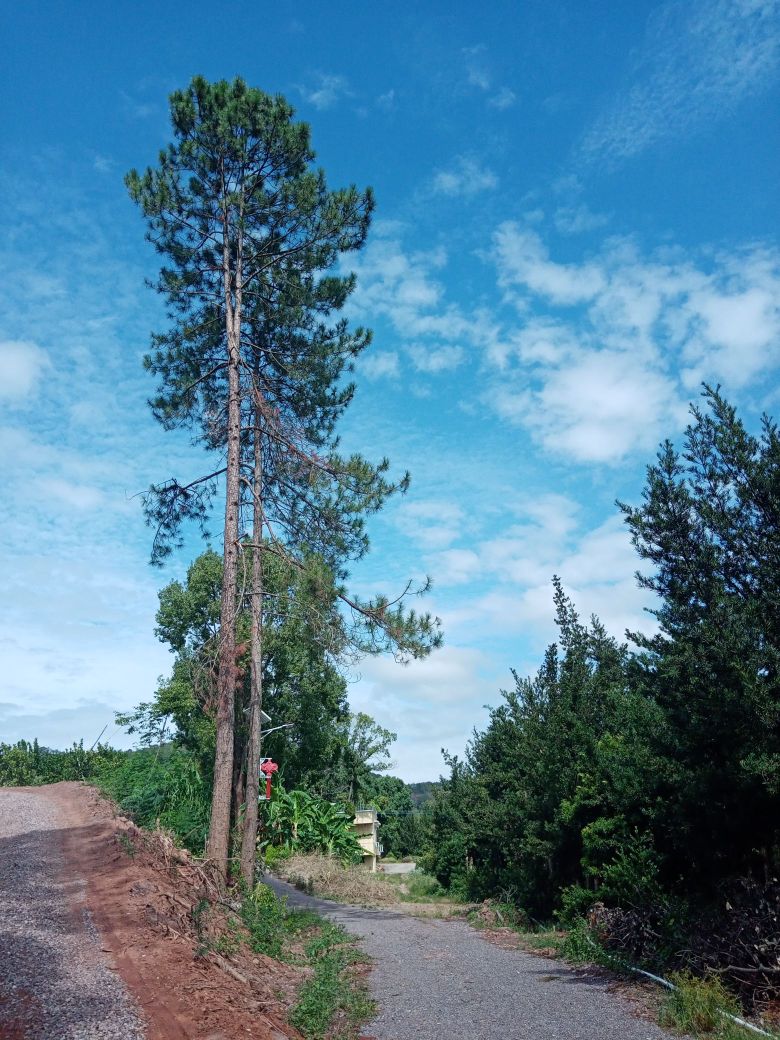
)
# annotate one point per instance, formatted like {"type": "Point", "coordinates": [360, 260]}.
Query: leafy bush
{"type": "Point", "coordinates": [699, 1005]}
{"type": "Point", "coordinates": [162, 785]}
{"type": "Point", "coordinates": [26, 764]}
{"type": "Point", "coordinates": [302, 822]}
{"type": "Point", "coordinates": [420, 885]}
{"type": "Point", "coordinates": [632, 878]}
{"type": "Point", "coordinates": [580, 946]}
{"type": "Point", "coordinates": [276, 854]}
{"type": "Point", "coordinates": [264, 915]}
{"type": "Point", "coordinates": [576, 901]}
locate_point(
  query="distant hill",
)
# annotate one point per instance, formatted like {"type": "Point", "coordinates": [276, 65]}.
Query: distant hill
{"type": "Point", "coordinates": [422, 792]}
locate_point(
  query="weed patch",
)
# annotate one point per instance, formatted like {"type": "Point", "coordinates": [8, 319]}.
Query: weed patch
{"type": "Point", "coordinates": [700, 1006]}
{"type": "Point", "coordinates": [334, 993]}
{"type": "Point", "coordinates": [333, 1001]}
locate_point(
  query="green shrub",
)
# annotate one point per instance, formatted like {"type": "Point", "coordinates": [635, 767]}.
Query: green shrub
{"type": "Point", "coordinates": [264, 916]}
{"type": "Point", "coordinates": [698, 1005]}
{"type": "Point", "coordinates": [276, 854]}
{"type": "Point", "coordinates": [580, 947]}
{"type": "Point", "coordinates": [26, 764]}
{"type": "Point", "coordinates": [420, 885]}
{"type": "Point", "coordinates": [632, 878]}
{"type": "Point", "coordinates": [575, 903]}
{"type": "Point", "coordinates": [161, 785]}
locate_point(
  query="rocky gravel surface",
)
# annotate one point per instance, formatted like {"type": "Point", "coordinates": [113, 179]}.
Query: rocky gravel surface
{"type": "Point", "coordinates": [56, 983]}
{"type": "Point", "coordinates": [440, 980]}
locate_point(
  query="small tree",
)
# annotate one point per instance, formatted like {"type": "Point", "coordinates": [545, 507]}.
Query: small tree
{"type": "Point", "coordinates": [249, 231]}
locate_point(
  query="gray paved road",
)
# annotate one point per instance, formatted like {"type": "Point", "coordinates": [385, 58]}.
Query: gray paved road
{"type": "Point", "coordinates": [439, 980]}
{"type": "Point", "coordinates": [56, 983]}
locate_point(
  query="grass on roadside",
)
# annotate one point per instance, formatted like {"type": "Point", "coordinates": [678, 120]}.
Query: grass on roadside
{"type": "Point", "coordinates": [333, 1000]}
{"type": "Point", "coordinates": [417, 887]}
{"type": "Point", "coordinates": [700, 1008]}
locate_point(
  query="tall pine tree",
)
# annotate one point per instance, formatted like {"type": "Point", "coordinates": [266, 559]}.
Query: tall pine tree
{"type": "Point", "coordinates": [249, 232]}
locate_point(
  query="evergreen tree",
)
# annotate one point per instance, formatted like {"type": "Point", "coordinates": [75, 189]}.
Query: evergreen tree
{"type": "Point", "coordinates": [710, 527]}
{"type": "Point", "coordinates": [249, 231]}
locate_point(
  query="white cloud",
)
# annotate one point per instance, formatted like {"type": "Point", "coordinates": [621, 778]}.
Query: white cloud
{"type": "Point", "coordinates": [573, 220]}
{"type": "Point", "coordinates": [596, 565]}
{"type": "Point", "coordinates": [598, 407]}
{"type": "Point", "coordinates": [698, 61]}
{"type": "Point", "coordinates": [477, 73]}
{"type": "Point", "coordinates": [436, 359]}
{"type": "Point", "coordinates": [453, 567]}
{"type": "Point", "coordinates": [386, 101]}
{"type": "Point", "coordinates": [432, 525]}
{"type": "Point", "coordinates": [466, 176]}
{"type": "Point", "coordinates": [78, 496]}
{"type": "Point", "coordinates": [522, 259]}
{"type": "Point", "coordinates": [21, 365]}
{"type": "Point", "coordinates": [430, 704]}
{"type": "Point", "coordinates": [380, 364]}
{"type": "Point", "coordinates": [611, 347]}
{"type": "Point", "coordinates": [404, 287]}
{"type": "Point", "coordinates": [326, 92]}
{"type": "Point", "coordinates": [503, 99]}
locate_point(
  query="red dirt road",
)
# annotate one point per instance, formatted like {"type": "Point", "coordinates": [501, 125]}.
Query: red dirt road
{"type": "Point", "coordinates": [140, 894]}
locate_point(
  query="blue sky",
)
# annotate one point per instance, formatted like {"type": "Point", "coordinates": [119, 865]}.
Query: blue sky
{"type": "Point", "coordinates": [576, 224]}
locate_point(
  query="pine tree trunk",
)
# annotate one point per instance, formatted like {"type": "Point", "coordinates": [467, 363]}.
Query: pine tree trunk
{"type": "Point", "coordinates": [217, 846]}
{"type": "Point", "coordinates": [249, 837]}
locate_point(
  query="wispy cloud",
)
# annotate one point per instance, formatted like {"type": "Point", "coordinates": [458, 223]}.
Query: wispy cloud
{"type": "Point", "coordinates": [386, 101]}
{"type": "Point", "coordinates": [611, 348]}
{"type": "Point", "coordinates": [480, 78]}
{"type": "Point", "coordinates": [477, 71]}
{"type": "Point", "coordinates": [103, 164]}
{"type": "Point", "coordinates": [503, 99]}
{"type": "Point", "coordinates": [326, 91]}
{"type": "Point", "coordinates": [698, 61]}
{"type": "Point", "coordinates": [573, 220]}
{"type": "Point", "coordinates": [466, 176]}
{"type": "Point", "coordinates": [21, 365]}
{"type": "Point", "coordinates": [431, 358]}
{"type": "Point", "coordinates": [378, 364]}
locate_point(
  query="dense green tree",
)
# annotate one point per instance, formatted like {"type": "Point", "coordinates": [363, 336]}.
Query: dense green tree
{"type": "Point", "coordinates": [631, 775]}
{"type": "Point", "coordinates": [709, 527]}
{"type": "Point", "coordinates": [401, 826]}
{"type": "Point", "coordinates": [303, 686]}
{"type": "Point", "coordinates": [556, 783]}
{"type": "Point", "coordinates": [364, 750]}
{"type": "Point", "coordinates": [249, 231]}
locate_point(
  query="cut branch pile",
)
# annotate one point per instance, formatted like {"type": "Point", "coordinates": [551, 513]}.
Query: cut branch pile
{"type": "Point", "coordinates": [738, 940]}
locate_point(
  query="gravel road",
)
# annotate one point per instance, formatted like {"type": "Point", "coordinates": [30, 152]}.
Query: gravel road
{"type": "Point", "coordinates": [439, 980]}
{"type": "Point", "coordinates": [55, 981]}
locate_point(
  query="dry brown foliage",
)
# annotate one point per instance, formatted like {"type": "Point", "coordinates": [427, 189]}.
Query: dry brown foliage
{"type": "Point", "coordinates": [328, 877]}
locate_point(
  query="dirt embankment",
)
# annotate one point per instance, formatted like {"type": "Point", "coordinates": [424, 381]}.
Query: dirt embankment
{"type": "Point", "coordinates": [149, 903]}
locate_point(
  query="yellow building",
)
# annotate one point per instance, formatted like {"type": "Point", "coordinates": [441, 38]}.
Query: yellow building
{"type": "Point", "coordinates": [366, 827]}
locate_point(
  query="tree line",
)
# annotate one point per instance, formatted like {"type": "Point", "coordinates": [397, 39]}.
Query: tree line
{"type": "Point", "coordinates": [644, 773]}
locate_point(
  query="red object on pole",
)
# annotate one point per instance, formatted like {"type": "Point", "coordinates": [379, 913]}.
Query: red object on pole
{"type": "Point", "coordinates": [269, 768]}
